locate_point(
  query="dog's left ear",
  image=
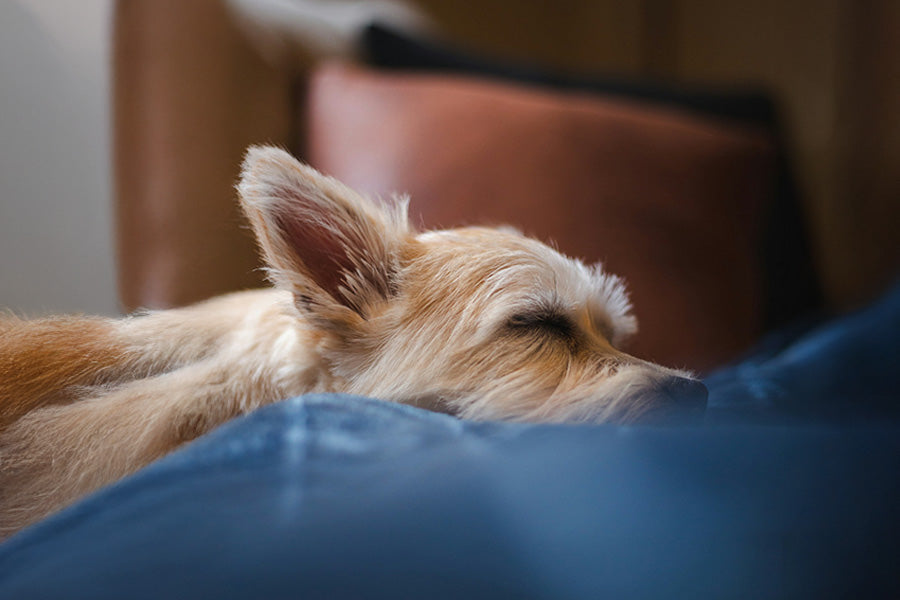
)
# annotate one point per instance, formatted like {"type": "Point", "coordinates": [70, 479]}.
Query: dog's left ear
{"type": "Point", "coordinates": [337, 251]}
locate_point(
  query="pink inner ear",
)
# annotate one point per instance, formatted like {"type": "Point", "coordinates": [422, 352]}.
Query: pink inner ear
{"type": "Point", "coordinates": [322, 254]}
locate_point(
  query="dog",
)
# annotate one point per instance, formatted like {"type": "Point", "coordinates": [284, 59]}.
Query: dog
{"type": "Point", "coordinates": [477, 322]}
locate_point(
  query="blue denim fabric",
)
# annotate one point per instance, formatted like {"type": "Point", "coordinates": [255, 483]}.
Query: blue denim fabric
{"type": "Point", "coordinates": [342, 497]}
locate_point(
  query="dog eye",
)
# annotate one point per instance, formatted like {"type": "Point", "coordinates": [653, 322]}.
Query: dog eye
{"type": "Point", "coordinates": [553, 323]}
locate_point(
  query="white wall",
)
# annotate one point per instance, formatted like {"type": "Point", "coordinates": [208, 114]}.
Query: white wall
{"type": "Point", "coordinates": [56, 243]}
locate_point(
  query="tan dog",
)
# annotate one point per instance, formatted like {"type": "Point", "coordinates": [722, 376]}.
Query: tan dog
{"type": "Point", "coordinates": [481, 323]}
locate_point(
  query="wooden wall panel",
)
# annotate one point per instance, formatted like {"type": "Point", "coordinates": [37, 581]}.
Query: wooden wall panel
{"type": "Point", "coordinates": [865, 214]}
{"type": "Point", "coordinates": [576, 35]}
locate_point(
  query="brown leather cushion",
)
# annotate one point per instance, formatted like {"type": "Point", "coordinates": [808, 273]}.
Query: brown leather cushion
{"type": "Point", "coordinates": [671, 202]}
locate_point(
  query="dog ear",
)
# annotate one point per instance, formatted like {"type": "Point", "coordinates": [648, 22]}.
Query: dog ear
{"type": "Point", "coordinates": [337, 251]}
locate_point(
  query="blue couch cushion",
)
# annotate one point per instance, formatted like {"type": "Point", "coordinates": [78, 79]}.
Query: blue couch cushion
{"type": "Point", "coordinates": [343, 497]}
{"type": "Point", "coordinates": [839, 370]}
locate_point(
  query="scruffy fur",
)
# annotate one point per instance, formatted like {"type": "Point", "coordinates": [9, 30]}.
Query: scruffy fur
{"type": "Point", "coordinates": [481, 323]}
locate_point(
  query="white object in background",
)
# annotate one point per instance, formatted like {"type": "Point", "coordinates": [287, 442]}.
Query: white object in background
{"type": "Point", "coordinates": [285, 29]}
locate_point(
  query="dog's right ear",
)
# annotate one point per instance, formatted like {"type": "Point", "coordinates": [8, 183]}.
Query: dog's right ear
{"type": "Point", "coordinates": [337, 251]}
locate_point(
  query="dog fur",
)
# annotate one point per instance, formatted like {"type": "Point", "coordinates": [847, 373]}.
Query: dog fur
{"type": "Point", "coordinates": [481, 323]}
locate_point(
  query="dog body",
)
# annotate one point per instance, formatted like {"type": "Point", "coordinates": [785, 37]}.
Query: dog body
{"type": "Point", "coordinates": [481, 323]}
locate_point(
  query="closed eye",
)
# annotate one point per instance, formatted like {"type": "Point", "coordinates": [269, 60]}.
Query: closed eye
{"type": "Point", "coordinates": [553, 323]}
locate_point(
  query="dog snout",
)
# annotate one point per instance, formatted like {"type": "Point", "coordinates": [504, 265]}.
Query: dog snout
{"type": "Point", "coordinates": [684, 393]}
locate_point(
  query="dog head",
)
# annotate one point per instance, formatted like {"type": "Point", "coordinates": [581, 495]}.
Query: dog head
{"type": "Point", "coordinates": [478, 322]}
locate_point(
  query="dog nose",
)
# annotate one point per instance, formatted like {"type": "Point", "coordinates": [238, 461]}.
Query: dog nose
{"type": "Point", "coordinates": [686, 393]}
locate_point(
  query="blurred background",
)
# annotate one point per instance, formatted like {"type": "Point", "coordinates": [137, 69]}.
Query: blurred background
{"type": "Point", "coordinates": [56, 236]}
{"type": "Point", "coordinates": [122, 126]}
